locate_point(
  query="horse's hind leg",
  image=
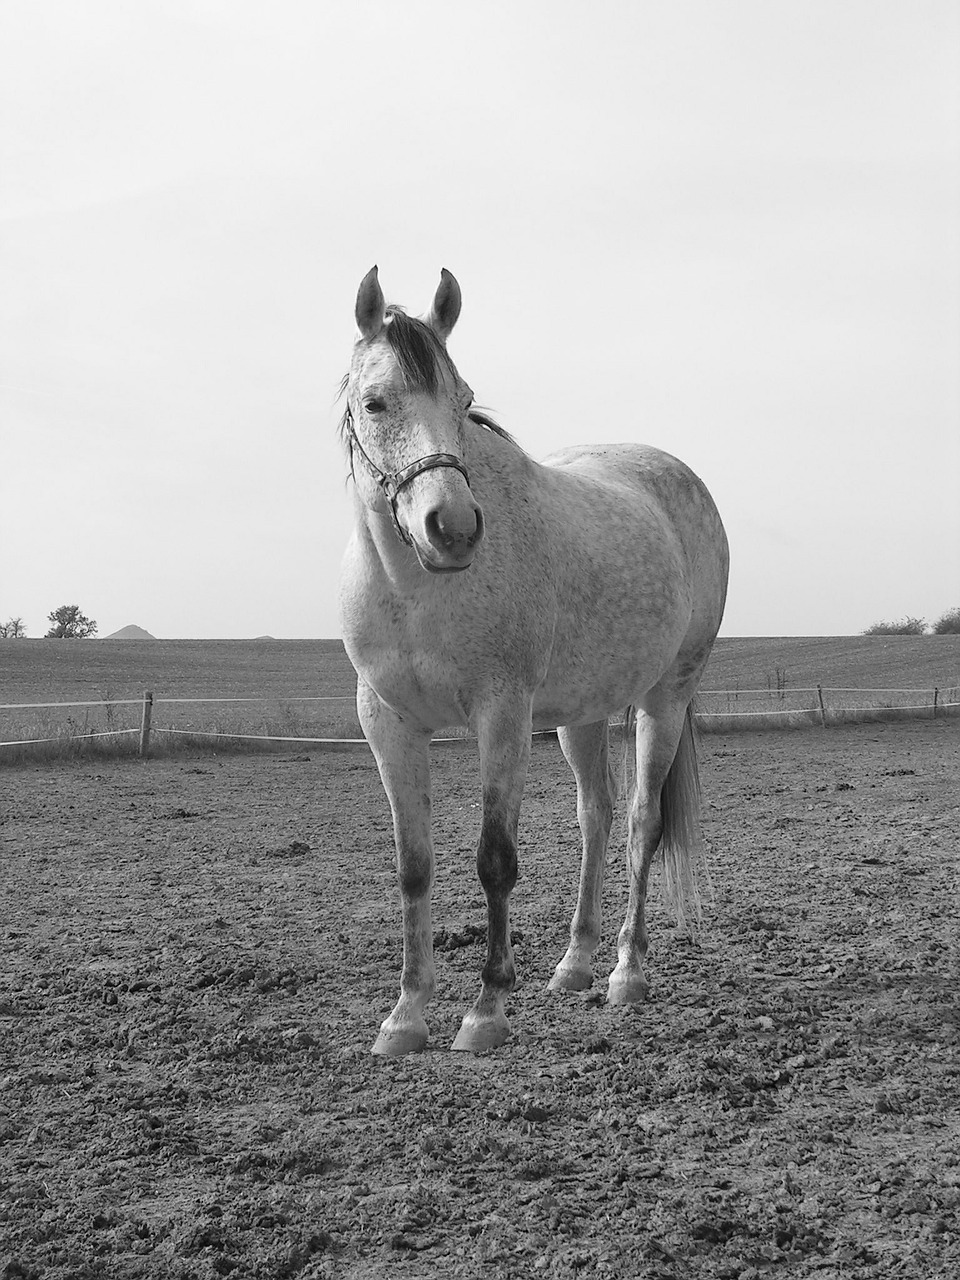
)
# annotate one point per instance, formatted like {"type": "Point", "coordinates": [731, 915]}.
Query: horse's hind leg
{"type": "Point", "coordinates": [661, 722]}
{"type": "Point", "coordinates": [504, 741]}
{"type": "Point", "coordinates": [402, 755]}
{"type": "Point", "coordinates": [587, 751]}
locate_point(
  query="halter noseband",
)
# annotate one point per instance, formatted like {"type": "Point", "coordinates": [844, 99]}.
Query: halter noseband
{"type": "Point", "coordinates": [391, 482]}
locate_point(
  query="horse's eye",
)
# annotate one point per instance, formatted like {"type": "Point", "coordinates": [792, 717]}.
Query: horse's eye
{"type": "Point", "coordinates": [374, 405]}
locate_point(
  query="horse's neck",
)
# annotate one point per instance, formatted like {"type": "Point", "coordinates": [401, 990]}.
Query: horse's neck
{"type": "Point", "coordinates": [495, 461]}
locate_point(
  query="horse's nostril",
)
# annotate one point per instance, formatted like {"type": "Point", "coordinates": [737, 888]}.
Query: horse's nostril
{"type": "Point", "coordinates": [478, 532]}
{"type": "Point", "coordinates": [437, 532]}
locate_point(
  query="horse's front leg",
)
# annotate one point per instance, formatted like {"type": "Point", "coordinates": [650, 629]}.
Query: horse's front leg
{"type": "Point", "coordinates": [504, 740]}
{"type": "Point", "coordinates": [402, 755]}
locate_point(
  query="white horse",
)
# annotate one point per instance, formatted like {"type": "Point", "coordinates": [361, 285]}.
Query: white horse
{"type": "Point", "coordinates": [485, 589]}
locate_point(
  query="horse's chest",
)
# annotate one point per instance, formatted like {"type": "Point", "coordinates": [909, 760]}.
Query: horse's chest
{"type": "Point", "coordinates": [415, 665]}
{"type": "Point", "coordinates": [440, 648]}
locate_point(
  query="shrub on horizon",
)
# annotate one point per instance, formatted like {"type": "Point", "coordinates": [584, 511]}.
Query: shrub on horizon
{"type": "Point", "coordinates": [948, 624]}
{"type": "Point", "coordinates": [905, 627]}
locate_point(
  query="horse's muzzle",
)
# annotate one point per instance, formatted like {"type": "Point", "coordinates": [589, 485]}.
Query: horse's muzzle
{"type": "Point", "coordinates": [453, 532]}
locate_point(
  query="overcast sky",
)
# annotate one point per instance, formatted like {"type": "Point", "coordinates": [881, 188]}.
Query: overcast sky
{"type": "Point", "coordinates": [729, 229]}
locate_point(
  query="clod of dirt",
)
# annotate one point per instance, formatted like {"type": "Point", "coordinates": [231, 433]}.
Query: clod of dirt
{"type": "Point", "coordinates": [467, 936]}
{"type": "Point", "coordinates": [14, 1270]}
{"type": "Point", "coordinates": [296, 849]}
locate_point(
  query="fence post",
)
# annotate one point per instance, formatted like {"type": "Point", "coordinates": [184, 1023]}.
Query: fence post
{"type": "Point", "coordinates": [823, 714]}
{"type": "Point", "coordinates": [936, 696]}
{"type": "Point", "coordinates": [145, 725]}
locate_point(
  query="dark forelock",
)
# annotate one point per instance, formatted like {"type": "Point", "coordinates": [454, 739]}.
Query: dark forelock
{"type": "Point", "coordinates": [421, 355]}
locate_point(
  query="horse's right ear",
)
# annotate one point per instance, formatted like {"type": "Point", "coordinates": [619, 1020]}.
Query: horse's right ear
{"type": "Point", "coordinates": [371, 308]}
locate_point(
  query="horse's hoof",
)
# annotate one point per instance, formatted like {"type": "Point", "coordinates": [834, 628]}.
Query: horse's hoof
{"type": "Point", "coordinates": [565, 979]}
{"type": "Point", "coordinates": [631, 989]}
{"type": "Point", "coordinates": [394, 1042]}
{"type": "Point", "coordinates": [476, 1035]}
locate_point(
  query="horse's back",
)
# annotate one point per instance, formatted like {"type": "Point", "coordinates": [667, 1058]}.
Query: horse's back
{"type": "Point", "coordinates": [618, 488]}
{"type": "Point", "coordinates": [639, 471]}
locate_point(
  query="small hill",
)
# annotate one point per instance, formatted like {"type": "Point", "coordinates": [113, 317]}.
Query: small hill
{"type": "Point", "coordinates": [130, 633]}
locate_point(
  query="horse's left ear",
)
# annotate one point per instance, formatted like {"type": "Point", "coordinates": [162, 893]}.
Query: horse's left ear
{"type": "Point", "coordinates": [442, 316]}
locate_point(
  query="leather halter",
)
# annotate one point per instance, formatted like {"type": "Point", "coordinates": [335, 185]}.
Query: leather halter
{"type": "Point", "coordinates": [391, 482]}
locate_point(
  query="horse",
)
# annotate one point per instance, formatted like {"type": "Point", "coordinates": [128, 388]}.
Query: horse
{"type": "Point", "coordinates": [482, 588]}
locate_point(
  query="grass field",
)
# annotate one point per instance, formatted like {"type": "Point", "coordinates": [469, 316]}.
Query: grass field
{"type": "Point", "coordinates": [861, 662]}
{"type": "Point", "coordinates": [856, 673]}
{"type": "Point", "coordinates": [757, 674]}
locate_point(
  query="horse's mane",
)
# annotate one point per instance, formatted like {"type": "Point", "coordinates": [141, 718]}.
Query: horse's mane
{"type": "Point", "coordinates": [483, 419]}
{"type": "Point", "coordinates": [422, 358]}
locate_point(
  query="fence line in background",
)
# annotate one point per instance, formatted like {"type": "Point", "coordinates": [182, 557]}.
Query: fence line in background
{"type": "Point", "coordinates": [112, 702]}
{"type": "Point", "coordinates": [330, 697]}
{"type": "Point", "coordinates": [329, 744]}
{"type": "Point", "coordinates": [800, 711]}
{"type": "Point", "coordinates": [77, 737]}
{"type": "Point", "coordinates": [781, 695]}
{"type": "Point", "coordinates": [148, 701]}
{"type": "Point", "coordinates": [130, 702]}
{"type": "Point", "coordinates": [254, 737]}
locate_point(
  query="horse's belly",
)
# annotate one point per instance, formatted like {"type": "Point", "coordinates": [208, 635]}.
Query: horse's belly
{"type": "Point", "coordinates": [620, 640]}
{"type": "Point", "coordinates": [582, 692]}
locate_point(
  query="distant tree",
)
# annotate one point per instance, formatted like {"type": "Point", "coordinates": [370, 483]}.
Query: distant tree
{"type": "Point", "coordinates": [13, 629]}
{"type": "Point", "coordinates": [948, 624]}
{"type": "Point", "coordinates": [905, 627]}
{"type": "Point", "coordinates": [70, 624]}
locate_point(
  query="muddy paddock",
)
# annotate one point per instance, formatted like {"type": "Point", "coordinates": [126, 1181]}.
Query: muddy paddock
{"type": "Point", "coordinates": [196, 954]}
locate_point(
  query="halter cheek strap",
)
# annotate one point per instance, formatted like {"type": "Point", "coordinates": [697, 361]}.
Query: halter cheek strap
{"type": "Point", "coordinates": [391, 482]}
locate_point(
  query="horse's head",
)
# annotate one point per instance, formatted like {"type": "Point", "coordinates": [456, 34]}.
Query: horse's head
{"type": "Point", "coordinates": [405, 415]}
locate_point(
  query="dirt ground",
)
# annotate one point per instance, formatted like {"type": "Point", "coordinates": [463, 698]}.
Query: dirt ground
{"type": "Point", "coordinates": [196, 955]}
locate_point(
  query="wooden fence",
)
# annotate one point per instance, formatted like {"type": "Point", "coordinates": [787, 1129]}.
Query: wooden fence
{"type": "Point", "coordinates": [815, 705]}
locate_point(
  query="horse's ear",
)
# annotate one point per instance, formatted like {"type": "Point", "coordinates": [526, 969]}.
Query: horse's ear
{"type": "Point", "coordinates": [442, 316]}
{"type": "Point", "coordinates": [371, 308]}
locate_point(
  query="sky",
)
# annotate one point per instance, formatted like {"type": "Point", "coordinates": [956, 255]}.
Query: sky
{"type": "Point", "coordinates": [728, 230]}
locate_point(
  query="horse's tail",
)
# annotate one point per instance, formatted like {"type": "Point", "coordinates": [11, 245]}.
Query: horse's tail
{"type": "Point", "coordinates": [628, 761]}
{"type": "Point", "coordinates": [685, 871]}
{"type": "Point", "coordinates": [685, 874]}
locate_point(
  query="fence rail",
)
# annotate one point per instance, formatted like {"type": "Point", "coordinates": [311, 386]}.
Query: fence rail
{"type": "Point", "coordinates": [794, 706]}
